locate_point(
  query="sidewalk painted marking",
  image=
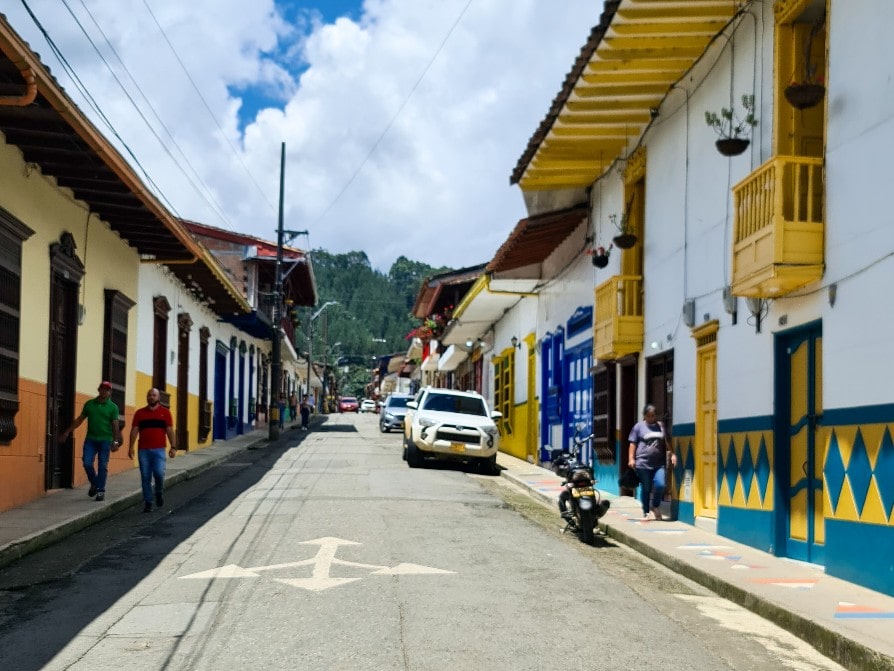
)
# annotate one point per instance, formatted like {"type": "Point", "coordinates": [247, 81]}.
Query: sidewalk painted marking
{"type": "Point", "coordinates": [666, 532]}
{"type": "Point", "coordinates": [719, 556]}
{"type": "Point", "coordinates": [322, 564]}
{"type": "Point", "coordinates": [792, 583]}
{"type": "Point", "coordinates": [853, 611]}
{"type": "Point", "coordinates": [702, 546]}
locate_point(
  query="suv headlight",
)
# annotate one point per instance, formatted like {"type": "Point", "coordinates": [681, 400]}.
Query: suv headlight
{"type": "Point", "coordinates": [425, 422]}
{"type": "Point", "coordinates": [490, 430]}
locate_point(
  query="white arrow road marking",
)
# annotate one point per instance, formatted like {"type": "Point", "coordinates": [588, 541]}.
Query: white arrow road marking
{"type": "Point", "coordinates": [322, 563]}
{"type": "Point", "coordinates": [409, 569]}
{"type": "Point", "coordinates": [228, 571]}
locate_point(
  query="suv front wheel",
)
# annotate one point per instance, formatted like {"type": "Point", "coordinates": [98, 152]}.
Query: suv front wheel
{"type": "Point", "coordinates": [414, 456]}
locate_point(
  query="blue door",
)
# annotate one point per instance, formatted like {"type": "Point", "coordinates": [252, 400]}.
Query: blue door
{"type": "Point", "coordinates": [220, 392]}
{"type": "Point", "coordinates": [578, 397]}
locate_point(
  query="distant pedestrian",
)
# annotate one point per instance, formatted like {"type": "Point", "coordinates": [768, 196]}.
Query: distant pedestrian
{"type": "Point", "coordinates": [103, 438]}
{"type": "Point", "coordinates": [293, 407]}
{"type": "Point", "coordinates": [281, 405]}
{"type": "Point", "coordinates": [307, 407]}
{"type": "Point", "coordinates": [649, 447]}
{"type": "Point", "coordinates": [152, 424]}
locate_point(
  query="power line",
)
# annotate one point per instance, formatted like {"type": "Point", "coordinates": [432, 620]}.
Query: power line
{"type": "Point", "coordinates": [82, 88]}
{"type": "Point", "coordinates": [394, 117]}
{"type": "Point", "coordinates": [213, 204]}
{"type": "Point", "coordinates": [208, 107]}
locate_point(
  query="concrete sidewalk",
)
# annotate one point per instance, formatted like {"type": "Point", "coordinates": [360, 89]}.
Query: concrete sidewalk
{"type": "Point", "coordinates": [35, 525]}
{"type": "Point", "coordinates": [848, 623]}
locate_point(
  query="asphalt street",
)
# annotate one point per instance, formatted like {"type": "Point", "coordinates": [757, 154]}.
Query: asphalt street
{"type": "Point", "coordinates": [327, 552]}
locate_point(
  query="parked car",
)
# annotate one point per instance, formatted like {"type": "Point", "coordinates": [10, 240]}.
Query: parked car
{"type": "Point", "coordinates": [393, 412]}
{"type": "Point", "coordinates": [367, 405]}
{"type": "Point", "coordinates": [348, 404]}
{"type": "Point", "coordinates": [451, 425]}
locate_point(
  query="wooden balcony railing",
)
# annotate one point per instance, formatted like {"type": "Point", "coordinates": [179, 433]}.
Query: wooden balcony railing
{"type": "Point", "coordinates": [779, 227]}
{"type": "Point", "coordinates": [618, 322]}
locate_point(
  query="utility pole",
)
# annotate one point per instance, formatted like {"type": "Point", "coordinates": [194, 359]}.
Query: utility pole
{"type": "Point", "coordinates": [276, 316]}
{"type": "Point", "coordinates": [310, 345]}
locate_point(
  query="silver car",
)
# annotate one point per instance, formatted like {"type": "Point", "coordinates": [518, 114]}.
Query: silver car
{"type": "Point", "coordinates": [393, 412]}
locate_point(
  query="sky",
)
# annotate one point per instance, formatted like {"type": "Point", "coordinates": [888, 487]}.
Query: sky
{"type": "Point", "coordinates": [402, 119]}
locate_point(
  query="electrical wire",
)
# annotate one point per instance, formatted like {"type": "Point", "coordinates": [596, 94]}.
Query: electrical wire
{"type": "Point", "coordinates": [205, 195]}
{"type": "Point", "coordinates": [91, 101]}
{"type": "Point", "coordinates": [390, 124]}
{"type": "Point", "coordinates": [195, 87]}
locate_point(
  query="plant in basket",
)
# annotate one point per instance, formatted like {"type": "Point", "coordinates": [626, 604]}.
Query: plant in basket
{"type": "Point", "coordinates": [731, 128]}
{"type": "Point", "coordinates": [599, 256]}
{"type": "Point", "coordinates": [809, 91]}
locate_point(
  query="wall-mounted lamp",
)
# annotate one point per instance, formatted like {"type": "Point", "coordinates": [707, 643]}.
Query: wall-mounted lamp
{"type": "Point", "coordinates": [515, 343]}
{"type": "Point", "coordinates": [472, 344]}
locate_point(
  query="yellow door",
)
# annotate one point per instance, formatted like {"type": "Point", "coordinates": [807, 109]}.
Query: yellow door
{"type": "Point", "coordinates": [705, 476]}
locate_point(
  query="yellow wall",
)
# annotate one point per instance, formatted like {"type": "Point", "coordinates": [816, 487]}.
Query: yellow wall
{"type": "Point", "coordinates": [109, 264]}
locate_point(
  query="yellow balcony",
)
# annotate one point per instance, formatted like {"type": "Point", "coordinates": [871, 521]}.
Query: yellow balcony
{"type": "Point", "coordinates": [779, 227]}
{"type": "Point", "coordinates": [618, 326]}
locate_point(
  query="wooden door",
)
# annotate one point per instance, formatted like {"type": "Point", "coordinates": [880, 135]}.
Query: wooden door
{"type": "Point", "coordinates": [705, 477]}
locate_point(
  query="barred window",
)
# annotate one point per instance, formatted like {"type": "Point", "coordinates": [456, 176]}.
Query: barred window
{"type": "Point", "coordinates": [114, 349]}
{"type": "Point", "coordinates": [12, 234]}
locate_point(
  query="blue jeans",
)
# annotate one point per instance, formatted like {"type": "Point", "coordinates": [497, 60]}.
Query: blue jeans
{"type": "Point", "coordinates": [152, 465]}
{"type": "Point", "coordinates": [651, 487]}
{"type": "Point", "coordinates": [97, 450]}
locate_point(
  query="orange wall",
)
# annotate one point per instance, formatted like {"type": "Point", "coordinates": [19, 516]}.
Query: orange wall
{"type": "Point", "coordinates": [22, 461]}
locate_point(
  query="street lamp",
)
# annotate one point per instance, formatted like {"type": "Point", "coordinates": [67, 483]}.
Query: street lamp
{"type": "Point", "coordinates": [310, 341]}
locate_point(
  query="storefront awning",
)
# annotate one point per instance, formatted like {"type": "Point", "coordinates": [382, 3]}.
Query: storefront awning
{"type": "Point", "coordinates": [452, 357]}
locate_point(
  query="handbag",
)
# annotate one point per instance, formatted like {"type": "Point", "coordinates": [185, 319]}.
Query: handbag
{"type": "Point", "coordinates": [629, 479]}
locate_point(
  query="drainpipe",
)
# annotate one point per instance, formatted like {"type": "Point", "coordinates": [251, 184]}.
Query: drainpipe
{"type": "Point", "coordinates": [30, 90]}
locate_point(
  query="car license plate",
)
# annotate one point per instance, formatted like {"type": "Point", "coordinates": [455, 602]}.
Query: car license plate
{"type": "Point", "coordinates": [457, 447]}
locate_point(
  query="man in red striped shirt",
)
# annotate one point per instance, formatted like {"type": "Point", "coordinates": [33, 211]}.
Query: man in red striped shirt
{"type": "Point", "coordinates": [153, 424]}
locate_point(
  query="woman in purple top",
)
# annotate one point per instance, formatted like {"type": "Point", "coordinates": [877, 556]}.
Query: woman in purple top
{"type": "Point", "coordinates": [649, 447]}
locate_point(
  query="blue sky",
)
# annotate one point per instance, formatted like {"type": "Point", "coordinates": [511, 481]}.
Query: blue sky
{"type": "Point", "coordinates": [402, 119]}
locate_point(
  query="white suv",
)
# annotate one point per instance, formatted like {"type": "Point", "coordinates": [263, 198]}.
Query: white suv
{"type": "Point", "coordinates": [451, 425]}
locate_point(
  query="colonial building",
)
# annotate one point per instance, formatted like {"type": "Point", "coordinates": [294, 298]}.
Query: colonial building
{"type": "Point", "coordinates": [750, 307]}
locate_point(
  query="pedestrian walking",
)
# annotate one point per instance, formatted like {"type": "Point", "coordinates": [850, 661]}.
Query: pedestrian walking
{"type": "Point", "coordinates": [307, 407]}
{"type": "Point", "coordinates": [649, 447]}
{"type": "Point", "coordinates": [293, 407]}
{"type": "Point", "coordinates": [152, 424]}
{"type": "Point", "coordinates": [103, 438]}
{"type": "Point", "coordinates": [282, 411]}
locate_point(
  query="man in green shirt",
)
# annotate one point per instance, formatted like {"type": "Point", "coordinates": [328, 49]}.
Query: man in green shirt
{"type": "Point", "coordinates": [103, 437]}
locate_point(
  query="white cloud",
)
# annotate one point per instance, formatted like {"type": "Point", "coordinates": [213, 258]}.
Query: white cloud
{"type": "Point", "coordinates": [436, 186]}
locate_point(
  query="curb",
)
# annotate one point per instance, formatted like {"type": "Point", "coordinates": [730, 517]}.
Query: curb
{"type": "Point", "coordinates": [53, 534]}
{"type": "Point", "coordinates": [839, 648]}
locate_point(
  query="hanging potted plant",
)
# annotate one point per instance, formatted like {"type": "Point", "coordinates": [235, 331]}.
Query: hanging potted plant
{"type": "Point", "coordinates": [809, 91]}
{"type": "Point", "coordinates": [626, 237]}
{"type": "Point", "coordinates": [732, 129]}
{"type": "Point", "coordinates": [599, 256]}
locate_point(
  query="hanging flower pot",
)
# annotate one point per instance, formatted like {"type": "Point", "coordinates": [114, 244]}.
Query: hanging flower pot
{"type": "Point", "coordinates": [803, 96]}
{"type": "Point", "coordinates": [732, 146]}
{"type": "Point", "coordinates": [599, 257]}
{"type": "Point", "coordinates": [624, 241]}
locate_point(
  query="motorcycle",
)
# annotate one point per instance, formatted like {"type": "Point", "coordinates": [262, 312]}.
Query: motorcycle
{"type": "Point", "coordinates": [585, 504]}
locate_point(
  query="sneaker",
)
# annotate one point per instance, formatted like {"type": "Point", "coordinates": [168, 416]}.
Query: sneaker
{"type": "Point", "coordinates": [147, 507]}
{"type": "Point", "coordinates": [159, 500]}
{"type": "Point", "coordinates": [657, 513]}
{"type": "Point", "coordinates": [91, 492]}
{"type": "Point", "coordinates": [100, 496]}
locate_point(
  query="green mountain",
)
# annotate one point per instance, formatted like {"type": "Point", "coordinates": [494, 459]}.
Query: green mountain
{"type": "Point", "coordinates": [372, 316]}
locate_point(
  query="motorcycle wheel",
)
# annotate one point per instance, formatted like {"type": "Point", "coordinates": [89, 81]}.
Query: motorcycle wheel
{"type": "Point", "coordinates": [587, 523]}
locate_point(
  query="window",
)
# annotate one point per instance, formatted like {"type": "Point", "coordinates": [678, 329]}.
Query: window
{"type": "Point", "coordinates": [504, 383]}
{"type": "Point", "coordinates": [114, 345]}
{"type": "Point", "coordinates": [204, 404]}
{"type": "Point", "coordinates": [12, 234]}
{"type": "Point", "coordinates": [160, 348]}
